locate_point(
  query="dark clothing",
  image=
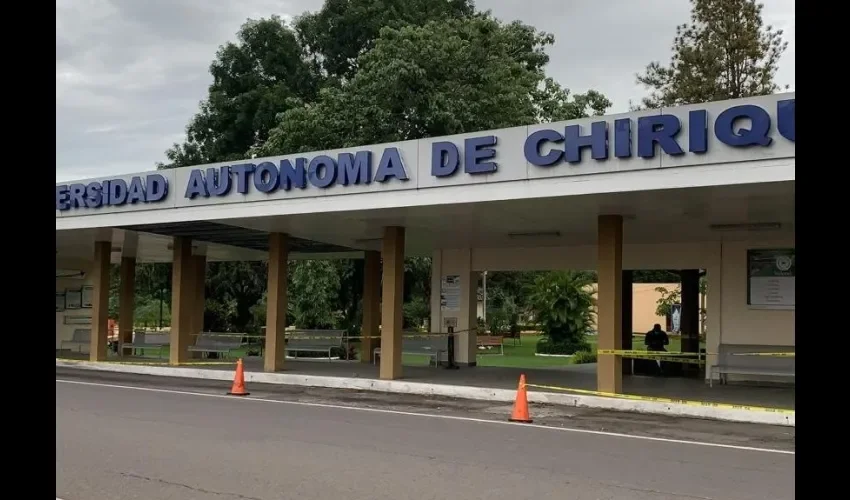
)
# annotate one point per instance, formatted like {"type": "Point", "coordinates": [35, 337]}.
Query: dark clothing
{"type": "Point", "coordinates": [655, 340]}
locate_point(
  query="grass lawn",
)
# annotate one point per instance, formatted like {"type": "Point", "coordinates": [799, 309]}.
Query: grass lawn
{"type": "Point", "coordinates": [519, 356]}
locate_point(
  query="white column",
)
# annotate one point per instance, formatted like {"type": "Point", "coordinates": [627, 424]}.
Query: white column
{"type": "Point", "coordinates": [461, 306]}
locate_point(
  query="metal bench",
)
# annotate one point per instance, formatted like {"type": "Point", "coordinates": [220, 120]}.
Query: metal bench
{"type": "Point", "coordinates": [148, 340]}
{"type": "Point", "coordinates": [219, 343]}
{"type": "Point", "coordinates": [80, 337]}
{"type": "Point", "coordinates": [432, 345]}
{"type": "Point", "coordinates": [315, 341]}
{"type": "Point", "coordinates": [734, 359]}
{"type": "Point", "coordinates": [486, 341]}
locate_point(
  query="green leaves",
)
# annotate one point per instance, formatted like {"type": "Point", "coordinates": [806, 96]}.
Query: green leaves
{"type": "Point", "coordinates": [439, 78]}
{"type": "Point", "coordinates": [563, 305]}
{"type": "Point", "coordinates": [726, 52]}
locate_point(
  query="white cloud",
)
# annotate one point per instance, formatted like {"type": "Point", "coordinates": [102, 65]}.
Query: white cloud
{"type": "Point", "coordinates": [130, 73]}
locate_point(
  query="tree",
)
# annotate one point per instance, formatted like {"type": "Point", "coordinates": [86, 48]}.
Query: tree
{"type": "Point", "coordinates": [444, 77]}
{"type": "Point", "coordinates": [343, 30]}
{"type": "Point", "coordinates": [253, 80]}
{"type": "Point", "coordinates": [563, 303]}
{"type": "Point", "coordinates": [725, 52]}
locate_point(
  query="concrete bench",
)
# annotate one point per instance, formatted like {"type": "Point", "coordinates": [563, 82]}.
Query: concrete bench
{"type": "Point", "coordinates": [80, 337]}
{"type": "Point", "coordinates": [733, 359]}
{"type": "Point", "coordinates": [149, 340]}
{"type": "Point", "coordinates": [487, 341]}
{"type": "Point", "coordinates": [315, 341]}
{"type": "Point", "coordinates": [218, 343]}
{"type": "Point", "coordinates": [432, 345]}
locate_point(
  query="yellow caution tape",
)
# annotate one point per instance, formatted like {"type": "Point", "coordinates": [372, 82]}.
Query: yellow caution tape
{"type": "Point", "coordinates": [633, 397]}
{"type": "Point", "coordinates": [772, 354]}
{"type": "Point", "coordinates": [625, 352]}
{"type": "Point", "coordinates": [653, 354]}
{"type": "Point", "coordinates": [151, 363]}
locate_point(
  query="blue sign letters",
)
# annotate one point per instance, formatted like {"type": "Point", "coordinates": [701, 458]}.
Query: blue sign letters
{"type": "Point", "coordinates": [662, 130]}
{"type": "Point", "coordinates": [115, 192]}
{"type": "Point", "coordinates": [738, 126]}
{"type": "Point", "coordinates": [322, 172]}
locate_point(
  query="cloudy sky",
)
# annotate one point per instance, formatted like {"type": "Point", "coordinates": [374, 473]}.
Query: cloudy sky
{"type": "Point", "coordinates": [130, 73]}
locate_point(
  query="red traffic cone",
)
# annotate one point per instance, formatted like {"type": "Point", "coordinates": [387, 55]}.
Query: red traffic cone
{"type": "Point", "coordinates": [520, 413]}
{"type": "Point", "coordinates": [238, 388]}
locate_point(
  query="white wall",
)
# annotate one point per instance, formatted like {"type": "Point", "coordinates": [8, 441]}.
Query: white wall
{"type": "Point", "coordinates": [63, 331]}
{"type": "Point", "coordinates": [456, 262]}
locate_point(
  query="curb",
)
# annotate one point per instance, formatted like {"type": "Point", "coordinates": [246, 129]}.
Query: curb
{"type": "Point", "coordinates": [452, 391]}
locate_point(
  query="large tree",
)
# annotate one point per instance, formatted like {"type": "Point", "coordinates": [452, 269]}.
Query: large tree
{"type": "Point", "coordinates": [444, 77]}
{"type": "Point", "coordinates": [253, 79]}
{"type": "Point", "coordinates": [342, 30]}
{"type": "Point", "coordinates": [725, 52]}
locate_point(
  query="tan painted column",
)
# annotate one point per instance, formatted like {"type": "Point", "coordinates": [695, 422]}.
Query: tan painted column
{"type": "Point", "coordinates": [276, 303]}
{"type": "Point", "coordinates": [182, 298]}
{"type": "Point", "coordinates": [609, 370]}
{"type": "Point", "coordinates": [199, 303]}
{"type": "Point", "coordinates": [100, 301]}
{"type": "Point", "coordinates": [371, 305]}
{"type": "Point", "coordinates": [392, 253]}
{"type": "Point", "coordinates": [126, 302]}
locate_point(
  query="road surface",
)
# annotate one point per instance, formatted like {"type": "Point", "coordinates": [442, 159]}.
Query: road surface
{"type": "Point", "coordinates": [149, 438]}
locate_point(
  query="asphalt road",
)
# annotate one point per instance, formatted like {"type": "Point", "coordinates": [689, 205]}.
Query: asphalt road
{"type": "Point", "coordinates": [181, 439]}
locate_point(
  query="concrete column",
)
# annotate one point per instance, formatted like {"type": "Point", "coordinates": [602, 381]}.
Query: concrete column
{"type": "Point", "coordinates": [713, 307]}
{"type": "Point", "coordinates": [182, 299]}
{"type": "Point", "coordinates": [126, 302]}
{"type": "Point", "coordinates": [628, 318]}
{"type": "Point", "coordinates": [457, 264]}
{"type": "Point", "coordinates": [100, 301]}
{"type": "Point", "coordinates": [199, 304]}
{"type": "Point", "coordinates": [609, 371]}
{"type": "Point", "coordinates": [276, 303]}
{"type": "Point", "coordinates": [690, 310]}
{"type": "Point", "coordinates": [371, 305]}
{"type": "Point", "coordinates": [392, 253]}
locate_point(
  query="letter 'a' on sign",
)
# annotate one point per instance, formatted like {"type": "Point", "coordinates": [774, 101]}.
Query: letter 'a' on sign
{"type": "Point", "coordinates": [390, 166]}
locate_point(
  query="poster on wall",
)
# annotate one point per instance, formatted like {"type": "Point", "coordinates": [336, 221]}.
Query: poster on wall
{"type": "Point", "coordinates": [450, 293]}
{"type": "Point", "coordinates": [676, 318]}
{"type": "Point", "coordinates": [87, 297]}
{"type": "Point", "coordinates": [73, 299]}
{"type": "Point", "coordinates": [771, 278]}
{"type": "Point", "coordinates": [60, 301]}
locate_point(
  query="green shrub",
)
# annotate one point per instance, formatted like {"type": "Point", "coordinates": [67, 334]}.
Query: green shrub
{"type": "Point", "coordinates": [567, 346]}
{"type": "Point", "coordinates": [584, 357]}
{"type": "Point", "coordinates": [563, 303]}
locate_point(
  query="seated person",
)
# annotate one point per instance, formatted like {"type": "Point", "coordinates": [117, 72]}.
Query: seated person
{"type": "Point", "coordinates": [656, 339]}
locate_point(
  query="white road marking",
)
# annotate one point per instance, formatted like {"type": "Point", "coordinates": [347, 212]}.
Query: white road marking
{"type": "Point", "coordinates": [431, 415]}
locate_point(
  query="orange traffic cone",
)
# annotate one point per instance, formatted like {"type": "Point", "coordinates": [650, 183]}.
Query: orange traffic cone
{"type": "Point", "coordinates": [520, 413]}
{"type": "Point", "coordinates": [238, 388]}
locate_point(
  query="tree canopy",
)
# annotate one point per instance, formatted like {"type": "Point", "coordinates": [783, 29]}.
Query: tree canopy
{"type": "Point", "coordinates": [441, 78]}
{"type": "Point", "coordinates": [724, 52]}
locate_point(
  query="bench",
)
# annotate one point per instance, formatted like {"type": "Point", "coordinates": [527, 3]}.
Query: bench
{"type": "Point", "coordinates": [218, 343]}
{"type": "Point", "coordinates": [80, 337]}
{"type": "Point", "coordinates": [432, 346]}
{"type": "Point", "coordinates": [315, 341]}
{"type": "Point", "coordinates": [487, 341]}
{"type": "Point", "coordinates": [148, 340]}
{"type": "Point", "coordinates": [732, 359]}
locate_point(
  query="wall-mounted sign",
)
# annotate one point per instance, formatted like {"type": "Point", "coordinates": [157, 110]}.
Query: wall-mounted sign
{"type": "Point", "coordinates": [450, 293]}
{"type": "Point", "coordinates": [771, 276]}
{"type": "Point", "coordinates": [738, 126]}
